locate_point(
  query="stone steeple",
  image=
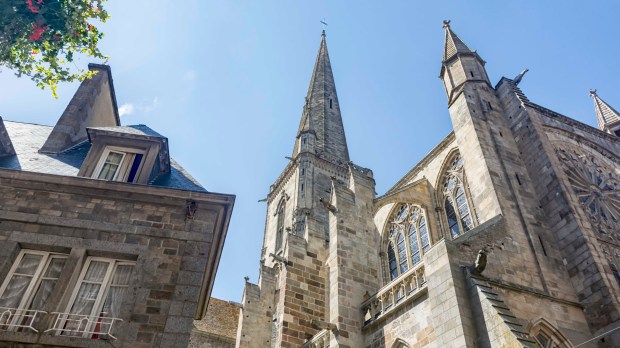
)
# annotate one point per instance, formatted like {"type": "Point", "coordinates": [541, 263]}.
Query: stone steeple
{"type": "Point", "coordinates": [459, 65]}
{"type": "Point", "coordinates": [321, 130]}
{"type": "Point", "coordinates": [608, 118]}
{"type": "Point", "coordinates": [453, 45]}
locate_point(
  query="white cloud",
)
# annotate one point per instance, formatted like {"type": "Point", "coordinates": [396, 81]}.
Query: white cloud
{"type": "Point", "coordinates": [144, 108]}
{"type": "Point", "coordinates": [126, 109]}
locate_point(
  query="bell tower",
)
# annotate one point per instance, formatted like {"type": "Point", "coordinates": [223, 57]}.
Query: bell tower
{"type": "Point", "coordinates": [318, 211]}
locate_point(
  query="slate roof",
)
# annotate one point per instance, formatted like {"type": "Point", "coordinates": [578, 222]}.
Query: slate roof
{"type": "Point", "coordinates": [138, 129]}
{"type": "Point", "coordinates": [28, 138]}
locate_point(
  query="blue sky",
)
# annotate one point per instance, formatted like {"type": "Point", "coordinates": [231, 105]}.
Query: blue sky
{"type": "Point", "coordinates": [225, 81]}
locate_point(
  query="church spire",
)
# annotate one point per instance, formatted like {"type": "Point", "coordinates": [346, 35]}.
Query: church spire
{"type": "Point", "coordinates": [608, 118]}
{"type": "Point", "coordinates": [321, 130]}
{"type": "Point", "coordinates": [459, 65]}
{"type": "Point", "coordinates": [453, 45]}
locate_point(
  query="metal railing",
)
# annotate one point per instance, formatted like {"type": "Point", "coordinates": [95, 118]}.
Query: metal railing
{"type": "Point", "coordinates": [394, 294]}
{"type": "Point", "coordinates": [320, 340]}
{"type": "Point", "coordinates": [89, 326]}
{"type": "Point", "coordinates": [16, 319]}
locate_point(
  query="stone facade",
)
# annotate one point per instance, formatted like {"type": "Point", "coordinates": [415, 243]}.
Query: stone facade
{"type": "Point", "coordinates": [218, 329]}
{"type": "Point", "coordinates": [128, 265]}
{"type": "Point", "coordinates": [504, 235]}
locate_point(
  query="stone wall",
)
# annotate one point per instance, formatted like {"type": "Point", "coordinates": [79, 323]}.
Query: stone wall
{"type": "Point", "coordinates": [149, 225]}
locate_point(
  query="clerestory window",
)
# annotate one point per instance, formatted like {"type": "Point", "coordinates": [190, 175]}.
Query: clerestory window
{"type": "Point", "coordinates": [456, 203]}
{"type": "Point", "coordinates": [119, 164]}
{"type": "Point", "coordinates": [407, 239]}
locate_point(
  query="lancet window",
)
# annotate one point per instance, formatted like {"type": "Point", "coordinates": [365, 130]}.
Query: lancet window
{"type": "Point", "coordinates": [407, 239]}
{"type": "Point", "coordinates": [280, 224]}
{"type": "Point", "coordinates": [456, 203]}
{"type": "Point", "coordinates": [548, 336]}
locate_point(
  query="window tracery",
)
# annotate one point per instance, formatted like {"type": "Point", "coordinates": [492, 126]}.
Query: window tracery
{"type": "Point", "coordinates": [597, 187]}
{"type": "Point", "coordinates": [408, 239]}
{"type": "Point", "coordinates": [548, 336]}
{"type": "Point", "coordinates": [456, 205]}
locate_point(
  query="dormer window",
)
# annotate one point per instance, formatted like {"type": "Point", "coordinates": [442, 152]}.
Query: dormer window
{"type": "Point", "coordinates": [132, 154]}
{"type": "Point", "coordinates": [119, 164]}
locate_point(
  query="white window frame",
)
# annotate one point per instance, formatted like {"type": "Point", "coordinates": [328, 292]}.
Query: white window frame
{"type": "Point", "coordinates": [122, 172]}
{"type": "Point", "coordinates": [28, 296]}
{"type": "Point", "coordinates": [103, 291]}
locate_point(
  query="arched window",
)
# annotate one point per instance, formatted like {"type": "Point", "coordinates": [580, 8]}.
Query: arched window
{"type": "Point", "coordinates": [280, 225]}
{"type": "Point", "coordinates": [456, 205]}
{"type": "Point", "coordinates": [408, 239]}
{"type": "Point", "coordinates": [400, 344]}
{"type": "Point", "coordinates": [548, 336]}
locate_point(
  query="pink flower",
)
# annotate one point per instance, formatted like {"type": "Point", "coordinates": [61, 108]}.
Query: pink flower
{"type": "Point", "coordinates": [32, 7]}
{"type": "Point", "coordinates": [37, 31]}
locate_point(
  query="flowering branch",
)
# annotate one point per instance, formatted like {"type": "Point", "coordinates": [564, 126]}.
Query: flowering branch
{"type": "Point", "coordinates": [41, 38]}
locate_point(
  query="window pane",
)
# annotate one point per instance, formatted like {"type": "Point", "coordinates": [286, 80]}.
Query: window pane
{"type": "Point", "coordinates": [47, 284]}
{"type": "Point", "coordinates": [451, 216]}
{"type": "Point", "coordinates": [122, 275]}
{"type": "Point", "coordinates": [108, 171]}
{"type": "Point", "coordinates": [114, 158]}
{"type": "Point", "coordinates": [413, 245]}
{"type": "Point", "coordinates": [392, 262]}
{"type": "Point", "coordinates": [110, 166]}
{"type": "Point", "coordinates": [402, 254]}
{"type": "Point", "coordinates": [96, 271]}
{"type": "Point", "coordinates": [85, 300]}
{"type": "Point", "coordinates": [29, 264]}
{"type": "Point", "coordinates": [13, 293]}
{"type": "Point", "coordinates": [424, 235]}
{"type": "Point", "coordinates": [467, 223]}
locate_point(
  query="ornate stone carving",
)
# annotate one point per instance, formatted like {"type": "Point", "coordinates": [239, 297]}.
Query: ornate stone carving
{"type": "Point", "coordinates": [597, 187]}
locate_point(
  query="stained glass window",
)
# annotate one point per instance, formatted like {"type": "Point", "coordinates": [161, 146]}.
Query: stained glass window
{"type": "Point", "coordinates": [456, 205]}
{"type": "Point", "coordinates": [407, 239]}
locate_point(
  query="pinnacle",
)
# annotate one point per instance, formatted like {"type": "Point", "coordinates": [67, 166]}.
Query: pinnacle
{"type": "Point", "coordinates": [605, 114]}
{"type": "Point", "coordinates": [453, 44]}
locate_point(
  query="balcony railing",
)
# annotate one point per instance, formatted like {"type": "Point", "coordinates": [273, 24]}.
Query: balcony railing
{"type": "Point", "coordinates": [89, 326]}
{"type": "Point", "coordinates": [320, 340]}
{"type": "Point", "coordinates": [394, 294]}
{"type": "Point", "coordinates": [16, 319]}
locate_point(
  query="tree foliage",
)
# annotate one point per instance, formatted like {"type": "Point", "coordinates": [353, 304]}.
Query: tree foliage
{"type": "Point", "coordinates": [41, 38]}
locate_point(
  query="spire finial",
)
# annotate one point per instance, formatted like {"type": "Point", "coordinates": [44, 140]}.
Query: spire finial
{"type": "Point", "coordinates": [446, 23]}
{"type": "Point", "coordinates": [592, 92]}
{"type": "Point", "coordinates": [323, 33]}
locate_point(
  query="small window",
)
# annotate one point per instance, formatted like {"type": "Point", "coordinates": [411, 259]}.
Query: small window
{"type": "Point", "coordinates": [617, 132]}
{"type": "Point", "coordinates": [118, 164]}
{"type": "Point", "coordinates": [330, 103]}
{"type": "Point", "coordinates": [97, 298]}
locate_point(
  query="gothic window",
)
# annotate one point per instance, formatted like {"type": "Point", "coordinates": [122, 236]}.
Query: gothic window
{"type": "Point", "coordinates": [456, 205]}
{"type": "Point", "coordinates": [547, 336]}
{"type": "Point", "coordinates": [407, 239]}
{"type": "Point", "coordinates": [280, 225]}
{"type": "Point", "coordinates": [597, 187]}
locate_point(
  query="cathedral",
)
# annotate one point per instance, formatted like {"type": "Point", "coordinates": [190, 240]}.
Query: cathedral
{"type": "Point", "coordinates": [505, 235]}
